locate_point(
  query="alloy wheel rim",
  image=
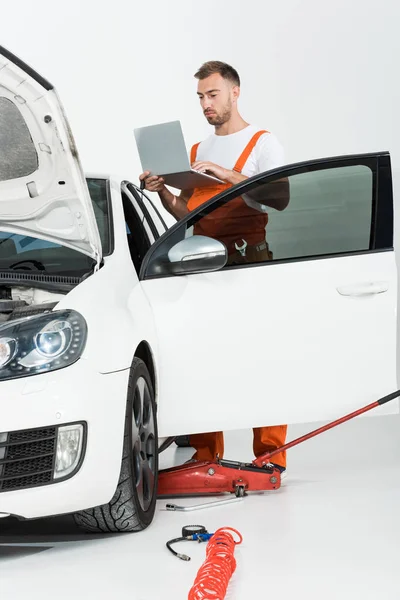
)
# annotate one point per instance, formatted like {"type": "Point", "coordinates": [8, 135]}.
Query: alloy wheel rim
{"type": "Point", "coordinates": [143, 443]}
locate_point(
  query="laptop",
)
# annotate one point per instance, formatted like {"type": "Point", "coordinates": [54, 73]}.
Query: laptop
{"type": "Point", "coordinates": [162, 151]}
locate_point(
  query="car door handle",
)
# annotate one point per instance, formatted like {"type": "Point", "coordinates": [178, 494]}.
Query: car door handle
{"type": "Point", "coordinates": [364, 289]}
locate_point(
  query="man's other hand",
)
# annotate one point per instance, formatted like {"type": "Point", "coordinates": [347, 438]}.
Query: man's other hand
{"type": "Point", "coordinates": [203, 166]}
{"type": "Point", "coordinates": [153, 183]}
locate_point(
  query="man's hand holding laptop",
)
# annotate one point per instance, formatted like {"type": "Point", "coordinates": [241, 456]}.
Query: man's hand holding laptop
{"type": "Point", "coordinates": [154, 183]}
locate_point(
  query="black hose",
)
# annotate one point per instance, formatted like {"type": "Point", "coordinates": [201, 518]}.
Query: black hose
{"type": "Point", "coordinates": [166, 444]}
{"type": "Point", "coordinates": [178, 554]}
{"type": "Point", "coordinates": [189, 532]}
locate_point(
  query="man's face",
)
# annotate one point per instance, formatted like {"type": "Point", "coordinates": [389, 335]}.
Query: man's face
{"type": "Point", "coordinates": [216, 98]}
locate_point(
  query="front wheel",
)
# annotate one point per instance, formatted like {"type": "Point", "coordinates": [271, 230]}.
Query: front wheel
{"type": "Point", "coordinates": [133, 504]}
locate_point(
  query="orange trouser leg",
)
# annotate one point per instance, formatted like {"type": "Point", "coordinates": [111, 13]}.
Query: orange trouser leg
{"type": "Point", "coordinates": [207, 445]}
{"type": "Point", "coordinates": [267, 439]}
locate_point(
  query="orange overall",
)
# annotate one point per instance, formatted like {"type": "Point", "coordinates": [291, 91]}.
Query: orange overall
{"type": "Point", "coordinates": [231, 223]}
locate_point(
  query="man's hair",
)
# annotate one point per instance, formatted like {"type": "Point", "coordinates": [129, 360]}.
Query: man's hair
{"type": "Point", "coordinates": [215, 66]}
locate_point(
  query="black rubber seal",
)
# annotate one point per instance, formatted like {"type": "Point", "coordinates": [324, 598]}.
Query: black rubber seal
{"type": "Point", "coordinates": [28, 70]}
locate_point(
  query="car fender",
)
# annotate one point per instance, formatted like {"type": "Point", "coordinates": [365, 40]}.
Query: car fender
{"type": "Point", "coordinates": [118, 316]}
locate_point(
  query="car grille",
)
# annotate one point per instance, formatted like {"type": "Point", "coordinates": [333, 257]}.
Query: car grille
{"type": "Point", "coordinates": [27, 458]}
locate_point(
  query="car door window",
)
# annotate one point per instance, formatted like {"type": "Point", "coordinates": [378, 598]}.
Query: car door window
{"type": "Point", "coordinates": [138, 232]}
{"type": "Point", "coordinates": [322, 209]}
{"type": "Point", "coordinates": [149, 209]}
{"type": "Point", "coordinates": [155, 216]}
{"type": "Point", "coordinates": [143, 213]}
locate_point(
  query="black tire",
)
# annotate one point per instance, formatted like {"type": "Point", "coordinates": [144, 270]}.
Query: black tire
{"type": "Point", "coordinates": [133, 504]}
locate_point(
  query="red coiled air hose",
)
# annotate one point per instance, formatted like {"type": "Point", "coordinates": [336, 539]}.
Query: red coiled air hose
{"type": "Point", "coordinates": [213, 577]}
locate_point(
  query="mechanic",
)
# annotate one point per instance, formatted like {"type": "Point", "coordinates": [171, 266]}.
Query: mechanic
{"type": "Point", "coordinates": [235, 152]}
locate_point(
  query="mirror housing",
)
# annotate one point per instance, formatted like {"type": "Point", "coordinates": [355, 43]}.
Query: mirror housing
{"type": "Point", "coordinates": [197, 254]}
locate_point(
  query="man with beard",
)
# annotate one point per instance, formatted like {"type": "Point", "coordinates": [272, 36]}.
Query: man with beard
{"type": "Point", "coordinates": [234, 152]}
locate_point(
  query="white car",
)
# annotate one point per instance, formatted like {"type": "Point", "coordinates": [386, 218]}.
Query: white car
{"type": "Point", "coordinates": [114, 339]}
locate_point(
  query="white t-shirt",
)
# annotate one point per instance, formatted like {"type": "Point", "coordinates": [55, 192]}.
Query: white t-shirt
{"type": "Point", "coordinates": [225, 150]}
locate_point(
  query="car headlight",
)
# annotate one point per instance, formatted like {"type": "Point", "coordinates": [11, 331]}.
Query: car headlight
{"type": "Point", "coordinates": [41, 343]}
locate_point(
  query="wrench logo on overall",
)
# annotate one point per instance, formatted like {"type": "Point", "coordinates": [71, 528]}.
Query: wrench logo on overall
{"type": "Point", "coordinates": [242, 248]}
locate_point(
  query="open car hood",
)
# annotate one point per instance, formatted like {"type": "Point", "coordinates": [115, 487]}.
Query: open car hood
{"type": "Point", "coordinates": [43, 191]}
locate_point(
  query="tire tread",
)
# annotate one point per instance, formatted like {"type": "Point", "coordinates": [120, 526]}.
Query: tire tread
{"type": "Point", "coordinates": [121, 513]}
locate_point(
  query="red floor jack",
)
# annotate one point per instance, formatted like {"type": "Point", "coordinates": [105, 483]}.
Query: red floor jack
{"type": "Point", "coordinates": [221, 476]}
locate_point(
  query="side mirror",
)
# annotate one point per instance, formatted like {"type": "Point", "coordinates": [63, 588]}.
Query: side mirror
{"type": "Point", "coordinates": [197, 254]}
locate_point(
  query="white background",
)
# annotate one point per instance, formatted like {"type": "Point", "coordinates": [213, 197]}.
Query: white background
{"type": "Point", "coordinates": [322, 76]}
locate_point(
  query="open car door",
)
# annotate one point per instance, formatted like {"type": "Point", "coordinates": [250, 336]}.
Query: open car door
{"type": "Point", "coordinates": [305, 334]}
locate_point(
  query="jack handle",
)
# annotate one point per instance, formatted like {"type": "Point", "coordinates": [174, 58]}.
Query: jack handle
{"type": "Point", "coordinates": [264, 459]}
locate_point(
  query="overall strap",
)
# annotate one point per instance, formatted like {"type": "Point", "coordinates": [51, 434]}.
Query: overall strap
{"type": "Point", "coordinates": [193, 153]}
{"type": "Point", "coordinates": [247, 151]}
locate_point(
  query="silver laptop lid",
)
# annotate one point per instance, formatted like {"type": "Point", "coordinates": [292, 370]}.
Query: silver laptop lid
{"type": "Point", "coordinates": [162, 148]}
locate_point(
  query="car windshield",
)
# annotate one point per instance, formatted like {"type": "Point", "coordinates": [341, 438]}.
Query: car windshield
{"type": "Point", "coordinates": [25, 253]}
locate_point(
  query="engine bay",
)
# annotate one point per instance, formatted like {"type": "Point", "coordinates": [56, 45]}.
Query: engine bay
{"type": "Point", "coordinates": [18, 302]}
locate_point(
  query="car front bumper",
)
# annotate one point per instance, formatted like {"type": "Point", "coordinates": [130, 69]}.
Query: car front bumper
{"type": "Point", "coordinates": [70, 395]}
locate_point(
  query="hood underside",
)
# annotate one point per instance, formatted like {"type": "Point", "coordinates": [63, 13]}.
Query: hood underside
{"type": "Point", "coordinates": [43, 191]}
